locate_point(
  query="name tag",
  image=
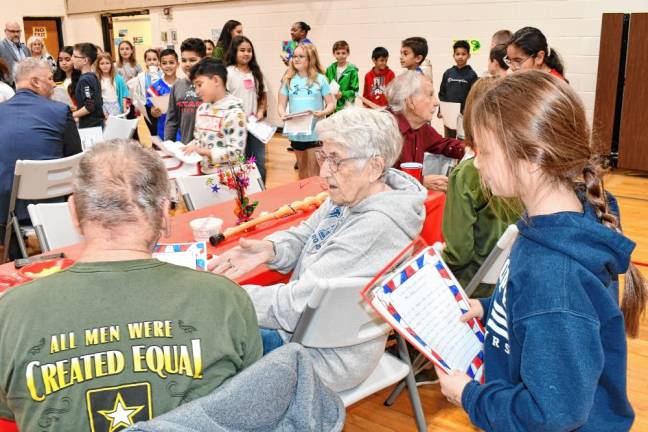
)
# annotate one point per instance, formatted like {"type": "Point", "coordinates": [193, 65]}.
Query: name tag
{"type": "Point", "coordinates": [248, 83]}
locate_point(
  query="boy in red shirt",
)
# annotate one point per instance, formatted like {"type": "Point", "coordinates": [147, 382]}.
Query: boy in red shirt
{"type": "Point", "coordinates": [376, 79]}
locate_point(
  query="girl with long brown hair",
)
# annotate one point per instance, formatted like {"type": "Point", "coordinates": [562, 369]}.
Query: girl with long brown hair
{"type": "Point", "coordinates": [555, 347]}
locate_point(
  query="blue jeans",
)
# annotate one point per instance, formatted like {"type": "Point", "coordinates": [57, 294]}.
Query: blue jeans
{"type": "Point", "coordinates": [257, 148]}
{"type": "Point", "coordinates": [271, 339]}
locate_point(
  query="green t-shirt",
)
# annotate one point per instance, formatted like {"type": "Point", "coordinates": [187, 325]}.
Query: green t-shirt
{"type": "Point", "coordinates": [100, 346]}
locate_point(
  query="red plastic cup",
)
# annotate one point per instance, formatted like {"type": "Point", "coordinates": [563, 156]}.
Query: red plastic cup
{"type": "Point", "coordinates": [414, 169]}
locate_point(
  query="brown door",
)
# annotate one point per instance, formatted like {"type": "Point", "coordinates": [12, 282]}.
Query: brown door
{"type": "Point", "coordinates": [633, 139]}
{"type": "Point", "coordinates": [607, 81]}
{"type": "Point", "coordinates": [47, 28]}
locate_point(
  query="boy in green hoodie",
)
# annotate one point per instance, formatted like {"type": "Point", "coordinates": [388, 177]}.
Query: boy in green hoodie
{"type": "Point", "coordinates": [344, 73]}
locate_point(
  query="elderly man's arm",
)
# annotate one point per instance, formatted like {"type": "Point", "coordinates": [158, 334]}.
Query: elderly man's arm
{"type": "Point", "coordinates": [71, 139]}
{"type": "Point", "coordinates": [450, 147]}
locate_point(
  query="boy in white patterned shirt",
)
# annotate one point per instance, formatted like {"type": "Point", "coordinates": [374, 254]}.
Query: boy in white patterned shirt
{"type": "Point", "coordinates": [219, 133]}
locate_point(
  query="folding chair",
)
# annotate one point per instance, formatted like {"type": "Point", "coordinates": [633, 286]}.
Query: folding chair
{"type": "Point", "coordinates": [488, 273]}
{"type": "Point", "coordinates": [37, 180]}
{"type": "Point", "coordinates": [53, 225]}
{"type": "Point", "coordinates": [336, 316]}
{"type": "Point", "coordinates": [197, 193]}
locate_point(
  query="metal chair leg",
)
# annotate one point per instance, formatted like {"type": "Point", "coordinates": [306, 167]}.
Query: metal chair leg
{"type": "Point", "coordinates": [417, 408]}
{"type": "Point", "coordinates": [19, 238]}
{"type": "Point", "coordinates": [419, 364]}
{"type": "Point", "coordinates": [7, 240]}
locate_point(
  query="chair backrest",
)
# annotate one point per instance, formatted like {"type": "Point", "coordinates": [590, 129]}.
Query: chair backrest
{"type": "Point", "coordinates": [119, 128]}
{"type": "Point", "coordinates": [198, 194]}
{"type": "Point", "coordinates": [489, 271]}
{"type": "Point", "coordinates": [438, 164]}
{"type": "Point", "coordinates": [337, 316]}
{"type": "Point", "coordinates": [90, 137]}
{"type": "Point", "coordinates": [53, 225]}
{"type": "Point", "coordinates": [44, 179]}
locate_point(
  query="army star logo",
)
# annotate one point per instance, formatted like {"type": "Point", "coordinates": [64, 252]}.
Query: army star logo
{"type": "Point", "coordinates": [111, 409]}
{"type": "Point", "coordinates": [121, 415]}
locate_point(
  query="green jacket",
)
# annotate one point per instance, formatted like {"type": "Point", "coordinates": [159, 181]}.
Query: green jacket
{"type": "Point", "coordinates": [349, 83]}
{"type": "Point", "coordinates": [472, 224]}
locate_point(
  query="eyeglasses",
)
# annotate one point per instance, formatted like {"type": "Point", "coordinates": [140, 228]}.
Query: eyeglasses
{"type": "Point", "coordinates": [515, 64]}
{"type": "Point", "coordinates": [333, 161]}
{"type": "Point", "coordinates": [13, 31]}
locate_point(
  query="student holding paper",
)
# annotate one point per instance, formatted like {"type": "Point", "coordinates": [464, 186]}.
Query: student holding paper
{"type": "Point", "coordinates": [220, 121]}
{"type": "Point", "coordinates": [162, 87]}
{"type": "Point", "coordinates": [305, 88]}
{"type": "Point", "coordinates": [245, 81]}
{"type": "Point", "coordinates": [555, 351]}
{"type": "Point", "coordinates": [344, 74]}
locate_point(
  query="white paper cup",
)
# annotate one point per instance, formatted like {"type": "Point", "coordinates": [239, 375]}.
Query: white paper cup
{"type": "Point", "coordinates": [203, 228]}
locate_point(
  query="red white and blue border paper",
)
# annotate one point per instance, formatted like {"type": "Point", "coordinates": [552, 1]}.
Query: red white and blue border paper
{"type": "Point", "coordinates": [191, 255]}
{"type": "Point", "coordinates": [378, 296]}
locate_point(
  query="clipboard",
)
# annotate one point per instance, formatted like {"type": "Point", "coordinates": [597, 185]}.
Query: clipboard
{"type": "Point", "coordinates": [448, 343]}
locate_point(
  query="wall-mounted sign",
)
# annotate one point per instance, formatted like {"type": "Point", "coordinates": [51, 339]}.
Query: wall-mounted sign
{"type": "Point", "coordinates": [40, 31]}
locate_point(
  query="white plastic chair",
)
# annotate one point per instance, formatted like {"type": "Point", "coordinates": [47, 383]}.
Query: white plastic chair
{"type": "Point", "coordinates": [197, 194]}
{"type": "Point", "coordinates": [37, 180]}
{"type": "Point", "coordinates": [489, 271]}
{"type": "Point", "coordinates": [117, 127]}
{"type": "Point", "coordinates": [90, 137]}
{"type": "Point", "coordinates": [337, 316]}
{"type": "Point", "coordinates": [53, 225]}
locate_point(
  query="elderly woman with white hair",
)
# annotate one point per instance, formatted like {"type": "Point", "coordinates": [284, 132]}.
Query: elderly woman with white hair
{"type": "Point", "coordinates": [129, 330]}
{"type": "Point", "coordinates": [372, 213]}
{"type": "Point", "coordinates": [411, 99]}
{"type": "Point", "coordinates": [36, 45]}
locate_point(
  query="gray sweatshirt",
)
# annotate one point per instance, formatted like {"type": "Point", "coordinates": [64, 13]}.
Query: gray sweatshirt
{"type": "Point", "coordinates": [344, 242]}
{"type": "Point", "coordinates": [181, 113]}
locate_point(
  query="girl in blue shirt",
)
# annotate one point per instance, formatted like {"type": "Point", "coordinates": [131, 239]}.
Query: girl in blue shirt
{"type": "Point", "coordinates": [305, 88]}
{"type": "Point", "coordinates": [555, 348]}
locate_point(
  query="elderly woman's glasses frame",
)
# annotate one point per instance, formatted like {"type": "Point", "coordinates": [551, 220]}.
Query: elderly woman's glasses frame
{"type": "Point", "coordinates": [333, 161]}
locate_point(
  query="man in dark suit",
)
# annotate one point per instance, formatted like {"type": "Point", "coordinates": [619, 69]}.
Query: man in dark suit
{"type": "Point", "coordinates": [32, 127]}
{"type": "Point", "coordinates": [11, 49]}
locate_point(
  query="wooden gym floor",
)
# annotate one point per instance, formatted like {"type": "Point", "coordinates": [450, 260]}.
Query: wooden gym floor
{"type": "Point", "coordinates": [631, 189]}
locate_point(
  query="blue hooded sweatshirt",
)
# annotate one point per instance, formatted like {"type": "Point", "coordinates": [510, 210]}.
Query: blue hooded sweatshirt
{"type": "Point", "coordinates": [555, 349]}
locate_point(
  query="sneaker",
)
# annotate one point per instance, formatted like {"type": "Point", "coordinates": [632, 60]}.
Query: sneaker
{"type": "Point", "coordinates": [426, 376]}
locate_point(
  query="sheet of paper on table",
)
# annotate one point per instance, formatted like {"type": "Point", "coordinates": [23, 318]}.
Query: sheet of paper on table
{"type": "Point", "coordinates": [90, 137]}
{"type": "Point", "coordinates": [300, 123]}
{"type": "Point", "coordinates": [161, 102]}
{"type": "Point", "coordinates": [190, 255]}
{"type": "Point", "coordinates": [450, 112]}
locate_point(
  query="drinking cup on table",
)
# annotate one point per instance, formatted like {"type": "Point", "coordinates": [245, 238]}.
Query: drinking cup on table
{"type": "Point", "coordinates": [203, 228]}
{"type": "Point", "coordinates": [414, 169]}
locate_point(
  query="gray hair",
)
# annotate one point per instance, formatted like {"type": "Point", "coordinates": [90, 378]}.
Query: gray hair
{"type": "Point", "coordinates": [364, 132]}
{"type": "Point", "coordinates": [120, 182]}
{"type": "Point", "coordinates": [405, 85]}
{"type": "Point", "coordinates": [27, 67]}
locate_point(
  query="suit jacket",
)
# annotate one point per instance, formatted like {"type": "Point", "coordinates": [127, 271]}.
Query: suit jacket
{"type": "Point", "coordinates": [8, 54]}
{"type": "Point", "coordinates": [33, 128]}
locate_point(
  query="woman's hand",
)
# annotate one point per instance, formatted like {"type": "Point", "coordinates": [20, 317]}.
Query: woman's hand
{"type": "Point", "coordinates": [191, 148]}
{"type": "Point", "coordinates": [239, 260]}
{"type": "Point", "coordinates": [476, 310]}
{"type": "Point", "coordinates": [156, 112]}
{"type": "Point", "coordinates": [452, 385]}
{"type": "Point", "coordinates": [436, 182]}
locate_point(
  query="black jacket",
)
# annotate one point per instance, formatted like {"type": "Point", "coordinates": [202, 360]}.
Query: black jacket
{"type": "Point", "coordinates": [456, 84]}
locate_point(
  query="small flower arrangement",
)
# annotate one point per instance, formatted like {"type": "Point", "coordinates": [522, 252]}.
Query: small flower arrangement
{"type": "Point", "coordinates": [235, 176]}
